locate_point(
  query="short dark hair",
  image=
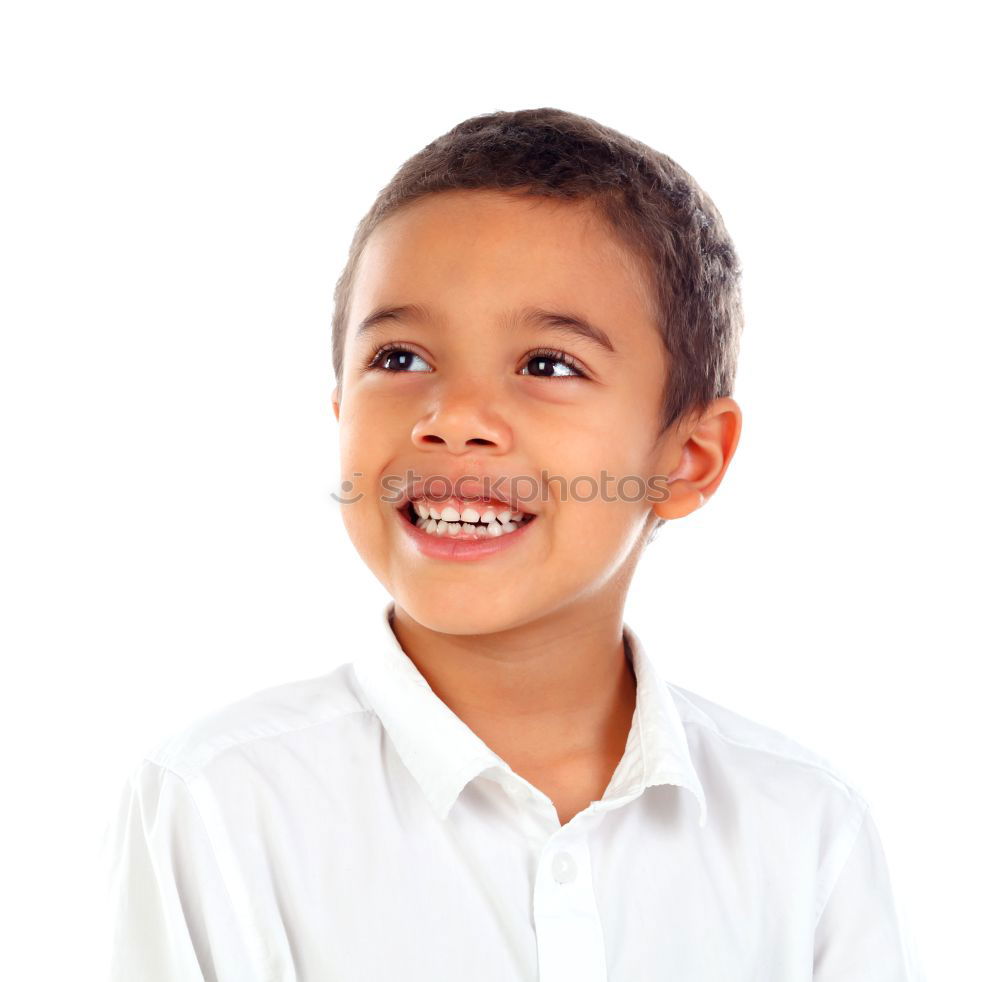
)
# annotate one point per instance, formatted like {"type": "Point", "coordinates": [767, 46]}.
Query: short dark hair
{"type": "Point", "coordinates": [653, 205]}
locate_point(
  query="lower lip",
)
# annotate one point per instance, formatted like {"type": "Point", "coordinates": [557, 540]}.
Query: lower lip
{"type": "Point", "coordinates": [458, 547]}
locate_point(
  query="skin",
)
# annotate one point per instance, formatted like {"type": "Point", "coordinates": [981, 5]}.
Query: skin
{"type": "Point", "coordinates": [525, 646]}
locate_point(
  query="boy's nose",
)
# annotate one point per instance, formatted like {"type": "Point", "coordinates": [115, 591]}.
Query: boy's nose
{"type": "Point", "coordinates": [464, 422]}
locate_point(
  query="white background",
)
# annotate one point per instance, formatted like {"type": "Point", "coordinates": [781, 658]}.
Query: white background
{"type": "Point", "coordinates": [181, 182]}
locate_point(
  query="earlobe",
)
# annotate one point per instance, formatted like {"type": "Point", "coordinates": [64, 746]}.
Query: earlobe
{"type": "Point", "coordinates": [683, 497]}
{"type": "Point", "coordinates": [704, 457]}
{"type": "Point", "coordinates": [335, 399]}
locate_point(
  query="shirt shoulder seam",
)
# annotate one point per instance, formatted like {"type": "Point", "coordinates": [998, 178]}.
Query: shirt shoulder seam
{"type": "Point", "coordinates": [259, 948]}
{"type": "Point", "coordinates": [178, 769]}
{"type": "Point", "coordinates": [792, 758]}
{"type": "Point", "coordinates": [830, 880]}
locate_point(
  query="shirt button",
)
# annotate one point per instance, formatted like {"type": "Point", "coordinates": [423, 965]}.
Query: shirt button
{"type": "Point", "coordinates": [563, 867]}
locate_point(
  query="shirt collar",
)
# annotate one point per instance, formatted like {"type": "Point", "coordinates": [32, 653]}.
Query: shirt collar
{"type": "Point", "coordinates": [443, 754]}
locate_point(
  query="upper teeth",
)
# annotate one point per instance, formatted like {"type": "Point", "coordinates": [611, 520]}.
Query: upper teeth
{"type": "Point", "coordinates": [450, 521]}
{"type": "Point", "coordinates": [468, 514]}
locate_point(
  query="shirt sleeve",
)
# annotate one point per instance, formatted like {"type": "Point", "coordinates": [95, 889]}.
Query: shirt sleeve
{"type": "Point", "coordinates": [171, 915]}
{"type": "Point", "coordinates": [860, 936]}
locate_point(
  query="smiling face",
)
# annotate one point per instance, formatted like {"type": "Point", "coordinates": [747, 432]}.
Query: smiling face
{"type": "Point", "coordinates": [468, 376]}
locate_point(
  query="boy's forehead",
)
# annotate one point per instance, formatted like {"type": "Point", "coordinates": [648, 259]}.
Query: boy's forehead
{"type": "Point", "coordinates": [455, 245]}
{"type": "Point", "coordinates": [457, 220]}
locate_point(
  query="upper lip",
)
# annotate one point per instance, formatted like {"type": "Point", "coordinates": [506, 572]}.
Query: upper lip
{"type": "Point", "coordinates": [471, 486]}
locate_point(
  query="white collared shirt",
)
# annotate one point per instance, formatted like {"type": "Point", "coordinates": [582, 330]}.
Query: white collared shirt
{"type": "Point", "coordinates": [352, 827]}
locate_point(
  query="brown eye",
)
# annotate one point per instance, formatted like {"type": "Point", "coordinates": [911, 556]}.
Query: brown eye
{"type": "Point", "coordinates": [396, 359]}
{"type": "Point", "coordinates": [553, 364]}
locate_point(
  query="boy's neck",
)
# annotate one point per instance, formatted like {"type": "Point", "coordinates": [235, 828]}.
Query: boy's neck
{"type": "Point", "coordinates": [556, 694]}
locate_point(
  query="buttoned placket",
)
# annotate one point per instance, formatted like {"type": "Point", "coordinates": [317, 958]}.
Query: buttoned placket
{"type": "Point", "coordinates": [568, 928]}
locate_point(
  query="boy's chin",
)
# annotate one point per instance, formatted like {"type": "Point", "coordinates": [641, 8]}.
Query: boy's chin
{"type": "Point", "coordinates": [462, 613]}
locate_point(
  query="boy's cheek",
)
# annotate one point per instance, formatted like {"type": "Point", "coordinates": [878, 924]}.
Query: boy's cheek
{"type": "Point", "coordinates": [367, 531]}
{"type": "Point", "coordinates": [604, 525]}
{"type": "Point", "coordinates": [367, 495]}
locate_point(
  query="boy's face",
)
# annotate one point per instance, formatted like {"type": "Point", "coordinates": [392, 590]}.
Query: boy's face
{"type": "Point", "coordinates": [474, 399]}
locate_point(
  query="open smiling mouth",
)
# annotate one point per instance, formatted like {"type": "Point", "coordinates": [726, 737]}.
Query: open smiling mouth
{"type": "Point", "coordinates": [473, 521]}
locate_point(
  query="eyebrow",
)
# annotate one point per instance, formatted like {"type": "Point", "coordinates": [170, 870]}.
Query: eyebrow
{"type": "Point", "coordinates": [563, 322]}
{"type": "Point", "coordinates": [414, 311]}
{"type": "Point", "coordinates": [560, 321]}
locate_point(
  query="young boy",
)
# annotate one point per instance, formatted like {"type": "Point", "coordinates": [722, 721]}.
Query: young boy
{"type": "Point", "coordinates": [500, 786]}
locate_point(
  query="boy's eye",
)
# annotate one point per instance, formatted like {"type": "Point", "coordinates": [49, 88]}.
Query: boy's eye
{"type": "Point", "coordinates": [553, 364]}
{"type": "Point", "coordinates": [396, 358]}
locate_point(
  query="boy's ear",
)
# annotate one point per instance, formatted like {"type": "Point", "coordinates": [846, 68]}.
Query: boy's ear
{"type": "Point", "coordinates": [706, 448]}
{"type": "Point", "coordinates": [336, 403]}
